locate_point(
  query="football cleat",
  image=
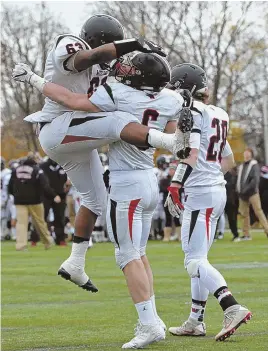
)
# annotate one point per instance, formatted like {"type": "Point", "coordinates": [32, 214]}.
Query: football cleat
{"type": "Point", "coordinates": [146, 335]}
{"type": "Point", "coordinates": [77, 276]}
{"type": "Point", "coordinates": [139, 326]}
{"type": "Point", "coordinates": [189, 329]}
{"type": "Point", "coordinates": [234, 316]}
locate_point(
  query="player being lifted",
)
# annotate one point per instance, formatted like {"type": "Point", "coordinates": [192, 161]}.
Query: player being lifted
{"type": "Point", "coordinates": [134, 189]}
{"type": "Point", "coordinates": [70, 137]}
{"type": "Point", "coordinates": [202, 176]}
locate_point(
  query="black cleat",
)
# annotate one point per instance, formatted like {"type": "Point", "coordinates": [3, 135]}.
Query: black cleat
{"type": "Point", "coordinates": [89, 286]}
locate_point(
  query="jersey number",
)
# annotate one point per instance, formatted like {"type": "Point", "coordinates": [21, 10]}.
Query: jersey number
{"type": "Point", "coordinates": [94, 83]}
{"type": "Point", "coordinates": [219, 136]}
{"type": "Point", "coordinates": [73, 48]}
{"type": "Point", "coordinates": [149, 115]}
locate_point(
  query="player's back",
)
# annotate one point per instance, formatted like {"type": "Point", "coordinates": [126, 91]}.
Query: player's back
{"type": "Point", "coordinates": [59, 70]}
{"type": "Point", "coordinates": [212, 124]}
{"type": "Point", "coordinates": [154, 110]}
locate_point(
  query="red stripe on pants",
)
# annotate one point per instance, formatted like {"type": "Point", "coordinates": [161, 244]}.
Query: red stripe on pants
{"type": "Point", "coordinates": [208, 214]}
{"type": "Point", "coordinates": [131, 210]}
{"type": "Point", "coordinates": [73, 138]}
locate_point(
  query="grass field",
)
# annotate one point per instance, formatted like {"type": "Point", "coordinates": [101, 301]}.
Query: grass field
{"type": "Point", "coordinates": [41, 311]}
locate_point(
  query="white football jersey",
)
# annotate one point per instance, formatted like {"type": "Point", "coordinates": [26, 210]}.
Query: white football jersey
{"type": "Point", "coordinates": [209, 133]}
{"type": "Point", "coordinates": [5, 178]}
{"type": "Point", "coordinates": [59, 72]}
{"type": "Point", "coordinates": [151, 109]}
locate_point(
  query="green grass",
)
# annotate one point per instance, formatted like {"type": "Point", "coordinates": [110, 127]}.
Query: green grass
{"type": "Point", "coordinates": [41, 311]}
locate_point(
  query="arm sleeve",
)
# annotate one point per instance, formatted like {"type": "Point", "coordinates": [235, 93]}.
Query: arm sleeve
{"type": "Point", "coordinates": [227, 150]}
{"type": "Point", "coordinates": [64, 53]}
{"type": "Point", "coordinates": [104, 98]}
{"type": "Point", "coordinates": [195, 137]}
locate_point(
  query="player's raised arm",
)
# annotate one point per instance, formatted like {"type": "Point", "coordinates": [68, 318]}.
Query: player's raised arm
{"type": "Point", "coordinates": [57, 93]}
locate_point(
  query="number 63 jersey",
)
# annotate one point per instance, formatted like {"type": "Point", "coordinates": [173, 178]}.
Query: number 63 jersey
{"type": "Point", "coordinates": [154, 110]}
{"type": "Point", "coordinates": [60, 70]}
{"type": "Point", "coordinates": [209, 135]}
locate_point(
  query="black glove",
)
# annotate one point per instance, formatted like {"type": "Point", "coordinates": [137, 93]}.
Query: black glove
{"type": "Point", "coordinates": [126, 46]}
{"type": "Point", "coordinates": [187, 97]}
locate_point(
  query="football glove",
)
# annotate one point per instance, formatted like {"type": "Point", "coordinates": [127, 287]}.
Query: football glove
{"type": "Point", "coordinates": [150, 47]}
{"type": "Point", "coordinates": [183, 132]}
{"type": "Point", "coordinates": [22, 73]}
{"type": "Point", "coordinates": [173, 202]}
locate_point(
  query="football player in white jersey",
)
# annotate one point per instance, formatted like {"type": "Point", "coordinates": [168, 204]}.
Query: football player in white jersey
{"type": "Point", "coordinates": [133, 185]}
{"type": "Point", "coordinates": [77, 63]}
{"type": "Point", "coordinates": [70, 136]}
{"type": "Point", "coordinates": [202, 176]}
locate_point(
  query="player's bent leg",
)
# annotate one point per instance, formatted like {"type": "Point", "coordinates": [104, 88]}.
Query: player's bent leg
{"type": "Point", "coordinates": [85, 173]}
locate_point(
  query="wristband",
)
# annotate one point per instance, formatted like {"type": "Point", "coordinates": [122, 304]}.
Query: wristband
{"type": "Point", "coordinates": [37, 82]}
{"type": "Point", "coordinates": [182, 173]}
{"type": "Point", "coordinates": [123, 47]}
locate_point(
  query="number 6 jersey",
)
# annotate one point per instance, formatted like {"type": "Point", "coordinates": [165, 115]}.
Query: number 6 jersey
{"type": "Point", "coordinates": [154, 110]}
{"type": "Point", "coordinates": [209, 135]}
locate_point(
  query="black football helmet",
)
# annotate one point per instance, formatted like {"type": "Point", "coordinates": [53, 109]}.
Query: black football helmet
{"type": "Point", "coordinates": [101, 29]}
{"type": "Point", "coordinates": [143, 71]}
{"type": "Point", "coordinates": [191, 77]}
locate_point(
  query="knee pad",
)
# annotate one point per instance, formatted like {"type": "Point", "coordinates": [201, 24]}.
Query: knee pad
{"type": "Point", "coordinates": [192, 267]}
{"type": "Point", "coordinates": [143, 251]}
{"type": "Point", "coordinates": [124, 257]}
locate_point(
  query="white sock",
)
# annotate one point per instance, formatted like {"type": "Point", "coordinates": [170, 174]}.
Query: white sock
{"type": "Point", "coordinates": [78, 254]}
{"type": "Point", "coordinates": [145, 312]}
{"type": "Point", "coordinates": [161, 140]}
{"type": "Point", "coordinates": [152, 298]}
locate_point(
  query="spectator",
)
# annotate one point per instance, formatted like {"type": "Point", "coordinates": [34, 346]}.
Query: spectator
{"type": "Point", "coordinates": [27, 184]}
{"type": "Point", "coordinates": [57, 179]}
{"type": "Point", "coordinates": [264, 189]}
{"type": "Point", "coordinates": [232, 203]}
{"type": "Point", "coordinates": [248, 190]}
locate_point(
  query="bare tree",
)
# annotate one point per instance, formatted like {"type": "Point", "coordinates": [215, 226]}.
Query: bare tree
{"type": "Point", "coordinates": [27, 34]}
{"type": "Point", "coordinates": [230, 48]}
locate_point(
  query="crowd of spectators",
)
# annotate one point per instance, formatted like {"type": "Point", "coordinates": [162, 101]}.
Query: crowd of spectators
{"type": "Point", "coordinates": [39, 203]}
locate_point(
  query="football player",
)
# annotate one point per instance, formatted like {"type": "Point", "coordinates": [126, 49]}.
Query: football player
{"type": "Point", "coordinates": [202, 176]}
{"type": "Point", "coordinates": [78, 63]}
{"type": "Point", "coordinates": [133, 185]}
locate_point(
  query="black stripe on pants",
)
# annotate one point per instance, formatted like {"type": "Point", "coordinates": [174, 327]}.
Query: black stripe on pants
{"type": "Point", "coordinates": [113, 220]}
{"type": "Point", "coordinates": [194, 215]}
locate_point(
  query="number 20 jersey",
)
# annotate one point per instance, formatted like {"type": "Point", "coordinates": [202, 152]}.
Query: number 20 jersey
{"type": "Point", "coordinates": [154, 110]}
{"type": "Point", "coordinates": [59, 72]}
{"type": "Point", "coordinates": [209, 135]}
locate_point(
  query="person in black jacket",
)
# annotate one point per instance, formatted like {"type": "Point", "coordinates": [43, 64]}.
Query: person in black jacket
{"type": "Point", "coordinates": [264, 189]}
{"type": "Point", "coordinates": [57, 179]}
{"type": "Point", "coordinates": [248, 189]}
{"type": "Point", "coordinates": [28, 184]}
{"type": "Point", "coordinates": [232, 203]}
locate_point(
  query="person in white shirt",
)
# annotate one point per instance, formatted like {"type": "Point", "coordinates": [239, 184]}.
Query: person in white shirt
{"type": "Point", "coordinates": [202, 176]}
{"type": "Point", "coordinates": [71, 137]}
{"type": "Point", "coordinates": [134, 190]}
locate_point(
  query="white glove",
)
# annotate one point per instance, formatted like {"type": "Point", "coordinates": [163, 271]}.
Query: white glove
{"type": "Point", "coordinates": [173, 202]}
{"type": "Point", "coordinates": [22, 73]}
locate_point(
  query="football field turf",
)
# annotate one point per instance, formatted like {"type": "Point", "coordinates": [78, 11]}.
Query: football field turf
{"type": "Point", "coordinates": [41, 311]}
